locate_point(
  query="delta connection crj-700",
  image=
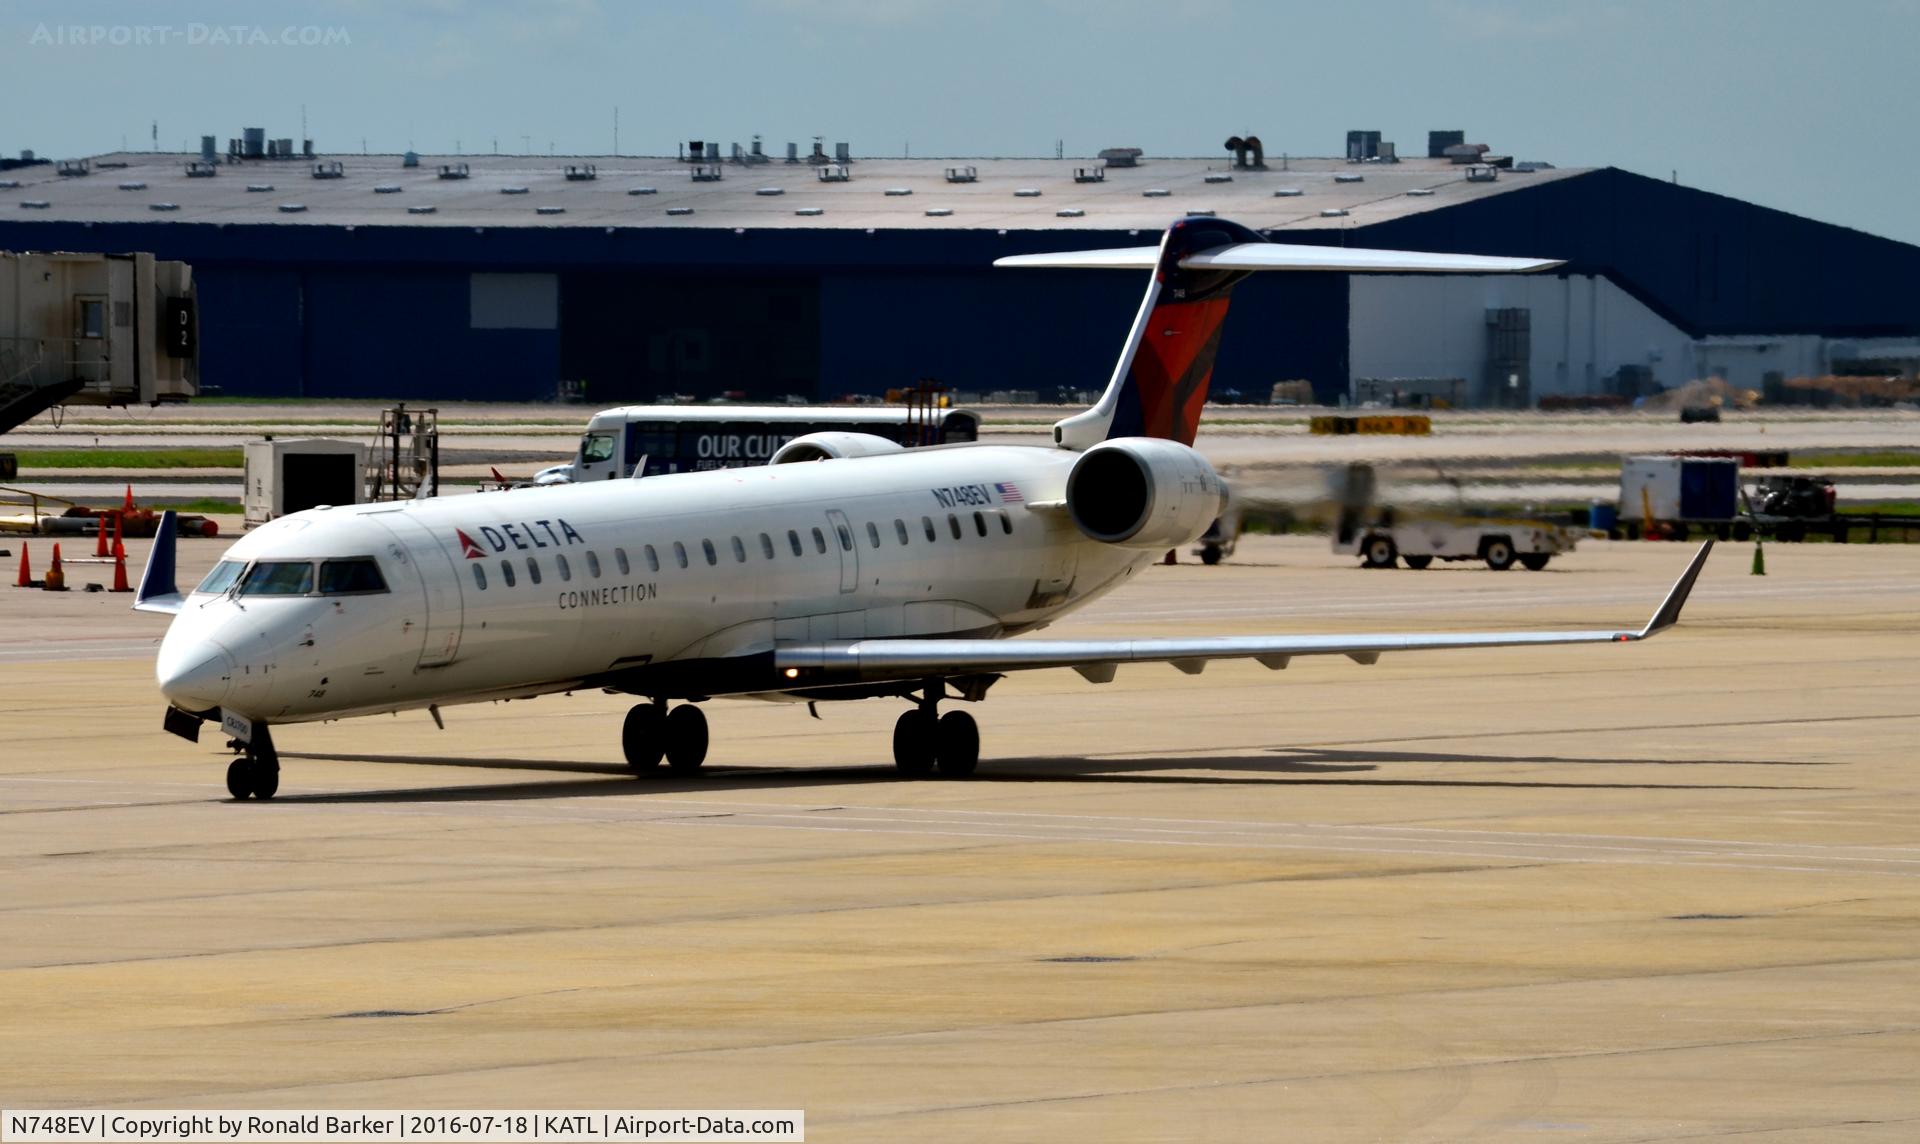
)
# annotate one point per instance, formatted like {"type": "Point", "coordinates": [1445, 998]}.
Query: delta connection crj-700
{"type": "Point", "coordinates": [845, 568]}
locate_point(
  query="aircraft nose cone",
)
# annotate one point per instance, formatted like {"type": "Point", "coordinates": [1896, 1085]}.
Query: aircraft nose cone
{"type": "Point", "coordinates": [195, 678]}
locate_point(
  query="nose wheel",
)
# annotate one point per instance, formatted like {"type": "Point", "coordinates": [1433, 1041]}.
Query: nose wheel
{"type": "Point", "coordinates": [256, 773]}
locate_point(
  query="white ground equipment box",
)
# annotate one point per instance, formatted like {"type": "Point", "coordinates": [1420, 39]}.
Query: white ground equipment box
{"type": "Point", "coordinates": [286, 475]}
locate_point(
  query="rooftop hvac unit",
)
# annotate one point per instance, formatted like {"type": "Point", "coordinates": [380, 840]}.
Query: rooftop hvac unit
{"type": "Point", "coordinates": [253, 141]}
{"type": "Point", "coordinates": [453, 171]}
{"type": "Point", "coordinates": [963, 174]}
{"type": "Point", "coordinates": [72, 167]}
{"type": "Point", "coordinates": [206, 149]}
{"type": "Point", "coordinates": [329, 169]}
{"type": "Point", "coordinates": [1439, 141]}
{"type": "Point", "coordinates": [793, 152]}
{"type": "Point", "coordinates": [410, 159]}
{"type": "Point", "coordinates": [1482, 173]}
{"type": "Point", "coordinates": [1362, 145]}
{"type": "Point", "coordinates": [202, 169]}
{"type": "Point", "coordinates": [835, 173]}
{"type": "Point", "coordinates": [842, 153]}
{"type": "Point", "coordinates": [286, 148]}
{"type": "Point", "coordinates": [707, 173]}
{"type": "Point", "coordinates": [696, 150]}
{"type": "Point", "coordinates": [1121, 156]}
{"type": "Point", "coordinates": [583, 173]}
{"type": "Point", "coordinates": [1089, 174]}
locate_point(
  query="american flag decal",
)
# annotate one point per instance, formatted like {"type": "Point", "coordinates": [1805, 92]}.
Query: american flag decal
{"type": "Point", "coordinates": [1009, 492]}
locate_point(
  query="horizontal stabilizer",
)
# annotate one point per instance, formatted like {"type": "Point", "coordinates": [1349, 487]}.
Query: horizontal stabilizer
{"type": "Point", "coordinates": [1278, 256]}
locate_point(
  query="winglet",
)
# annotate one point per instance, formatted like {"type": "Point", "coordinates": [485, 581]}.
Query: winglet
{"type": "Point", "coordinates": [157, 590]}
{"type": "Point", "coordinates": [1669, 613]}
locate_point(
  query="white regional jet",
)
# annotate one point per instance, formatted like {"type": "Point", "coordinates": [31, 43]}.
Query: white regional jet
{"type": "Point", "coordinates": [867, 571]}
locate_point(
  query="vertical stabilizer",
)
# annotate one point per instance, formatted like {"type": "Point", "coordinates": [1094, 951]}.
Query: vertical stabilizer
{"type": "Point", "coordinates": [1160, 382]}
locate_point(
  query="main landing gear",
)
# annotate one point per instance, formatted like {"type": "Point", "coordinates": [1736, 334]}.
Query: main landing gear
{"type": "Point", "coordinates": [257, 771]}
{"type": "Point", "coordinates": [924, 739]}
{"type": "Point", "coordinates": [652, 731]}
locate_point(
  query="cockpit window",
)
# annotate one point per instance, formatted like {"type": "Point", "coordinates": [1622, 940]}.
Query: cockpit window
{"type": "Point", "coordinates": [222, 576]}
{"type": "Point", "coordinates": [349, 577]}
{"type": "Point", "coordinates": [278, 578]}
{"type": "Point", "coordinates": [596, 447]}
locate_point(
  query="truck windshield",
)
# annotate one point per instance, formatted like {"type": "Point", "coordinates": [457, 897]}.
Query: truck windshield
{"type": "Point", "coordinates": [278, 578]}
{"type": "Point", "coordinates": [222, 576]}
{"type": "Point", "coordinates": [596, 447]}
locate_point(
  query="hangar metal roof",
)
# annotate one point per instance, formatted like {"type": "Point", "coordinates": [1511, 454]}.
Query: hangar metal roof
{"type": "Point", "coordinates": [886, 194]}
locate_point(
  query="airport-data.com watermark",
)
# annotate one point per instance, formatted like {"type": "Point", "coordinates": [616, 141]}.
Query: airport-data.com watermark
{"type": "Point", "coordinates": [192, 35]}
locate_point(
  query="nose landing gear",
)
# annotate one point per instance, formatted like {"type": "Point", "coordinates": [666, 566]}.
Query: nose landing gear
{"type": "Point", "coordinates": [652, 731]}
{"type": "Point", "coordinates": [256, 772]}
{"type": "Point", "coordinates": [924, 740]}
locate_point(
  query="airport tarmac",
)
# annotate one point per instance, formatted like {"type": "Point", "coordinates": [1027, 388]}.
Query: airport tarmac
{"type": "Point", "coordinates": [1655, 891]}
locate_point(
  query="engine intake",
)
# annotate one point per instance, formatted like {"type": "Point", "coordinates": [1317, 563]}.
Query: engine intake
{"type": "Point", "coordinates": [1143, 491]}
{"type": "Point", "coordinates": [832, 445]}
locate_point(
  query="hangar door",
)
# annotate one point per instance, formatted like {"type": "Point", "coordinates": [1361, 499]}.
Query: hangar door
{"type": "Point", "coordinates": [632, 337]}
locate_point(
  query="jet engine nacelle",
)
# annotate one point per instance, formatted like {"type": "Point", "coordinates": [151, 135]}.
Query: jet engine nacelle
{"type": "Point", "coordinates": [1143, 491]}
{"type": "Point", "coordinates": [825, 446]}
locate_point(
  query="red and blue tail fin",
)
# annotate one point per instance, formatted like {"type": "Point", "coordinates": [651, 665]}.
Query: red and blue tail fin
{"type": "Point", "coordinates": [1160, 382]}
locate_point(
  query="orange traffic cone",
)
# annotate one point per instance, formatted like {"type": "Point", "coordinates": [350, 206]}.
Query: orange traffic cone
{"type": "Point", "coordinates": [56, 580]}
{"type": "Point", "coordinates": [100, 536]}
{"type": "Point", "coordinates": [120, 570]}
{"type": "Point", "coordinates": [127, 506]}
{"type": "Point", "coordinates": [119, 549]}
{"type": "Point", "coordinates": [26, 573]}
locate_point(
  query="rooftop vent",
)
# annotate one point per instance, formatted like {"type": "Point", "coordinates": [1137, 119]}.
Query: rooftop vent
{"type": "Point", "coordinates": [1070, 212]}
{"type": "Point", "coordinates": [292, 208]}
{"type": "Point", "coordinates": [329, 169]}
{"type": "Point", "coordinates": [1349, 178]}
{"type": "Point", "coordinates": [1248, 154]}
{"type": "Point", "coordinates": [513, 190]}
{"type": "Point", "coordinates": [679, 210]}
{"type": "Point", "coordinates": [9, 184]}
{"type": "Point", "coordinates": [583, 173]}
{"type": "Point", "coordinates": [549, 210]}
{"type": "Point", "coordinates": [133, 186]}
{"type": "Point", "coordinates": [707, 173]}
{"type": "Point", "coordinates": [387, 189]}
{"type": "Point", "coordinates": [963, 174]}
{"type": "Point", "coordinates": [842, 153]}
{"type": "Point", "coordinates": [163, 206]}
{"type": "Point", "coordinates": [410, 159]}
{"type": "Point", "coordinates": [74, 166]}
{"type": "Point", "coordinates": [1219, 178]}
{"type": "Point", "coordinates": [771, 191]}
{"type": "Point", "coordinates": [1288, 193]}
{"type": "Point", "coordinates": [34, 204]}
{"type": "Point", "coordinates": [896, 192]}
{"type": "Point", "coordinates": [428, 209]}
{"type": "Point", "coordinates": [1121, 156]}
{"type": "Point", "coordinates": [939, 212]}
{"type": "Point", "coordinates": [809, 212]}
{"type": "Point", "coordinates": [453, 171]}
{"type": "Point", "coordinates": [1155, 193]}
{"type": "Point", "coordinates": [1334, 212]}
{"type": "Point", "coordinates": [1027, 193]}
{"type": "Point", "coordinates": [257, 188]}
{"type": "Point", "coordinates": [1420, 192]}
{"type": "Point", "coordinates": [1199, 214]}
{"type": "Point", "coordinates": [835, 172]}
{"type": "Point", "coordinates": [643, 190]}
{"type": "Point", "coordinates": [201, 169]}
{"type": "Point", "coordinates": [1089, 174]}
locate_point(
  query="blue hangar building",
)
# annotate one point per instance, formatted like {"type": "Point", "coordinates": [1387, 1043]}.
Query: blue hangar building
{"type": "Point", "coordinates": [501, 278]}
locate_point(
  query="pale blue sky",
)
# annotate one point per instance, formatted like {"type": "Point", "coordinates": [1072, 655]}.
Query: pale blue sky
{"type": "Point", "coordinates": [1809, 107]}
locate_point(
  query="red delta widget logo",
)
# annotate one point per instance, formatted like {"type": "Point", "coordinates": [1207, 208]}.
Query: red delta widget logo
{"type": "Point", "coordinates": [523, 535]}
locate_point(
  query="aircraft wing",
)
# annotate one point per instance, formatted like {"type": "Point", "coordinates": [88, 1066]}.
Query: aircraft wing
{"type": "Point", "coordinates": [875, 660]}
{"type": "Point", "coordinates": [1283, 256]}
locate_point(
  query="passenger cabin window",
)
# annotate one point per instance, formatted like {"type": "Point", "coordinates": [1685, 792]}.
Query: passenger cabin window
{"type": "Point", "coordinates": [706, 546]}
{"type": "Point", "coordinates": [620, 561]}
{"type": "Point", "coordinates": [533, 570]}
{"type": "Point", "coordinates": [506, 572]}
{"type": "Point", "coordinates": [278, 578]}
{"type": "Point", "coordinates": [560, 562]}
{"type": "Point", "coordinates": [873, 534]}
{"type": "Point", "coordinates": [766, 546]}
{"type": "Point", "coordinates": [739, 551]}
{"type": "Point", "coordinates": [479, 576]}
{"type": "Point", "coordinates": [793, 538]}
{"type": "Point", "coordinates": [653, 558]}
{"type": "Point", "coordinates": [680, 554]}
{"type": "Point", "coordinates": [1006, 522]}
{"type": "Point", "coordinates": [846, 537]}
{"type": "Point", "coordinates": [980, 523]}
{"type": "Point", "coordinates": [900, 528]}
{"type": "Point", "coordinates": [593, 565]}
{"type": "Point", "coordinates": [953, 522]}
{"type": "Point", "coordinates": [597, 447]}
{"type": "Point", "coordinates": [358, 576]}
{"type": "Point", "coordinates": [926, 522]}
{"type": "Point", "coordinates": [222, 576]}
{"type": "Point", "coordinates": [819, 541]}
